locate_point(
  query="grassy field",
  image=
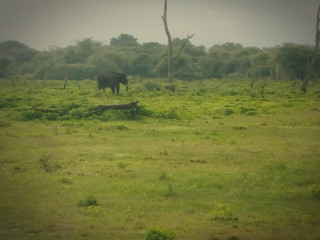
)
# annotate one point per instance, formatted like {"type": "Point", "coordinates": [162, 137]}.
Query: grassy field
{"type": "Point", "coordinates": [204, 160]}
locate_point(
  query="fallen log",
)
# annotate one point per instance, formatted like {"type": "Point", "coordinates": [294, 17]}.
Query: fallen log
{"type": "Point", "coordinates": [132, 107]}
{"type": "Point", "coordinates": [48, 110]}
{"type": "Point", "coordinates": [129, 106]}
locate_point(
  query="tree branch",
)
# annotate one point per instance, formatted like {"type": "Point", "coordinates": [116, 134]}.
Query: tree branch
{"type": "Point", "coordinates": [182, 47]}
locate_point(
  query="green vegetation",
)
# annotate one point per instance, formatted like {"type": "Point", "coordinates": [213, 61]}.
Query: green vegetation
{"type": "Point", "coordinates": [206, 159]}
{"type": "Point", "coordinates": [87, 58]}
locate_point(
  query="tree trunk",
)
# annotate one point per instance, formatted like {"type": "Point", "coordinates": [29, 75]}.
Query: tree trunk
{"type": "Point", "coordinates": [65, 80]}
{"type": "Point", "coordinates": [314, 56]}
{"type": "Point", "coordinates": [170, 60]}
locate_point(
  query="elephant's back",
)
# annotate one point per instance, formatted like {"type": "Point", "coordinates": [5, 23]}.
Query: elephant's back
{"type": "Point", "coordinates": [106, 79]}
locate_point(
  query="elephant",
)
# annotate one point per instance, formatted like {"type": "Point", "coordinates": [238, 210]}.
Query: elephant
{"type": "Point", "coordinates": [111, 80]}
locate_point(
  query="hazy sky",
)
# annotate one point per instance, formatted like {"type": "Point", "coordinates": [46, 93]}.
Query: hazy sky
{"type": "Point", "coordinates": [262, 23]}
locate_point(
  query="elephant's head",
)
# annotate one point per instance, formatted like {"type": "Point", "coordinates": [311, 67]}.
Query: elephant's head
{"type": "Point", "coordinates": [123, 79]}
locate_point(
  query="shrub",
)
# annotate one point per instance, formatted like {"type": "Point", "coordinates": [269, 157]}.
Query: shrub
{"type": "Point", "coordinates": [150, 86]}
{"type": "Point", "coordinates": [158, 234]}
{"type": "Point", "coordinates": [52, 116]}
{"type": "Point", "coordinates": [89, 201]}
{"type": "Point", "coordinates": [77, 114]}
{"type": "Point", "coordinates": [172, 87]}
{"type": "Point", "coordinates": [30, 115]}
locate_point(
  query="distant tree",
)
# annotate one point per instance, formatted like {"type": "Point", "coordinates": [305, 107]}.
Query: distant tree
{"type": "Point", "coordinates": [81, 51]}
{"type": "Point", "coordinates": [142, 70]}
{"type": "Point", "coordinates": [260, 66]}
{"type": "Point", "coordinates": [294, 59]}
{"type": "Point", "coordinates": [11, 45]}
{"type": "Point", "coordinates": [124, 40]}
{"type": "Point", "coordinates": [5, 64]}
{"type": "Point", "coordinates": [152, 47]}
{"type": "Point", "coordinates": [13, 54]}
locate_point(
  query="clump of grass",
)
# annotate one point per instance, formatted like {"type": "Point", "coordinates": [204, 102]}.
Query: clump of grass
{"type": "Point", "coordinates": [66, 180]}
{"type": "Point", "coordinates": [170, 193]}
{"type": "Point", "coordinates": [151, 132]}
{"type": "Point", "coordinates": [164, 176]}
{"type": "Point", "coordinates": [163, 153]}
{"type": "Point", "coordinates": [160, 234]}
{"type": "Point", "coordinates": [48, 165]}
{"type": "Point", "coordinates": [222, 212]}
{"type": "Point", "coordinates": [4, 124]}
{"type": "Point", "coordinates": [315, 191]}
{"type": "Point", "coordinates": [89, 201]}
{"type": "Point", "coordinates": [117, 127]}
{"type": "Point", "coordinates": [121, 165]}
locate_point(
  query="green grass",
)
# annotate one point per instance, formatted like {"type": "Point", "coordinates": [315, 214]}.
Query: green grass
{"type": "Point", "coordinates": [209, 160]}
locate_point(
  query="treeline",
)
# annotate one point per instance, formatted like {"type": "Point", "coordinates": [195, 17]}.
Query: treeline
{"type": "Point", "coordinates": [87, 58]}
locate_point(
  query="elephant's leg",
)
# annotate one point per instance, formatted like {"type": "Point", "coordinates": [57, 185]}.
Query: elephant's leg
{"type": "Point", "coordinates": [117, 88]}
{"type": "Point", "coordinates": [113, 90]}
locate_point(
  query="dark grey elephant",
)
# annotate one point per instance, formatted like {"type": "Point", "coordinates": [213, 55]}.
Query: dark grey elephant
{"type": "Point", "coordinates": [112, 80]}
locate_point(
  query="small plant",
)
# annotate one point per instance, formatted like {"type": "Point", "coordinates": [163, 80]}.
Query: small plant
{"type": "Point", "coordinates": [164, 176]}
{"type": "Point", "coordinates": [159, 234]}
{"type": "Point", "coordinates": [222, 212]}
{"type": "Point", "coordinates": [228, 111]}
{"type": "Point", "coordinates": [121, 165]}
{"type": "Point", "coordinates": [170, 192]}
{"type": "Point", "coordinates": [89, 201]}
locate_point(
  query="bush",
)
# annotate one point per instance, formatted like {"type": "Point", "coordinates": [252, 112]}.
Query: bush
{"type": "Point", "coordinates": [151, 86]}
{"type": "Point", "coordinates": [171, 87]}
{"type": "Point", "coordinates": [157, 234]}
{"type": "Point", "coordinates": [30, 115]}
{"type": "Point", "coordinates": [89, 201]}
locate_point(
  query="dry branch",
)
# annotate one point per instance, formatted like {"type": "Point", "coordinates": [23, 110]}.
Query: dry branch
{"type": "Point", "coordinates": [182, 47]}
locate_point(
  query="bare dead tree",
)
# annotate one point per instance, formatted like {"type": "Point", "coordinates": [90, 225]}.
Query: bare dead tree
{"type": "Point", "coordinates": [252, 82]}
{"type": "Point", "coordinates": [65, 79]}
{"type": "Point", "coordinates": [172, 61]}
{"type": "Point", "coordinates": [314, 56]}
{"type": "Point", "coordinates": [263, 84]}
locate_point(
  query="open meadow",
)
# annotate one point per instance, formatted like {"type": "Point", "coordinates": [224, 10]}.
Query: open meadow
{"type": "Point", "coordinates": [203, 160]}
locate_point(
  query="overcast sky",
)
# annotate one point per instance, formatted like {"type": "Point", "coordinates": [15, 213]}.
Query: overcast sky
{"type": "Point", "coordinates": [263, 23]}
